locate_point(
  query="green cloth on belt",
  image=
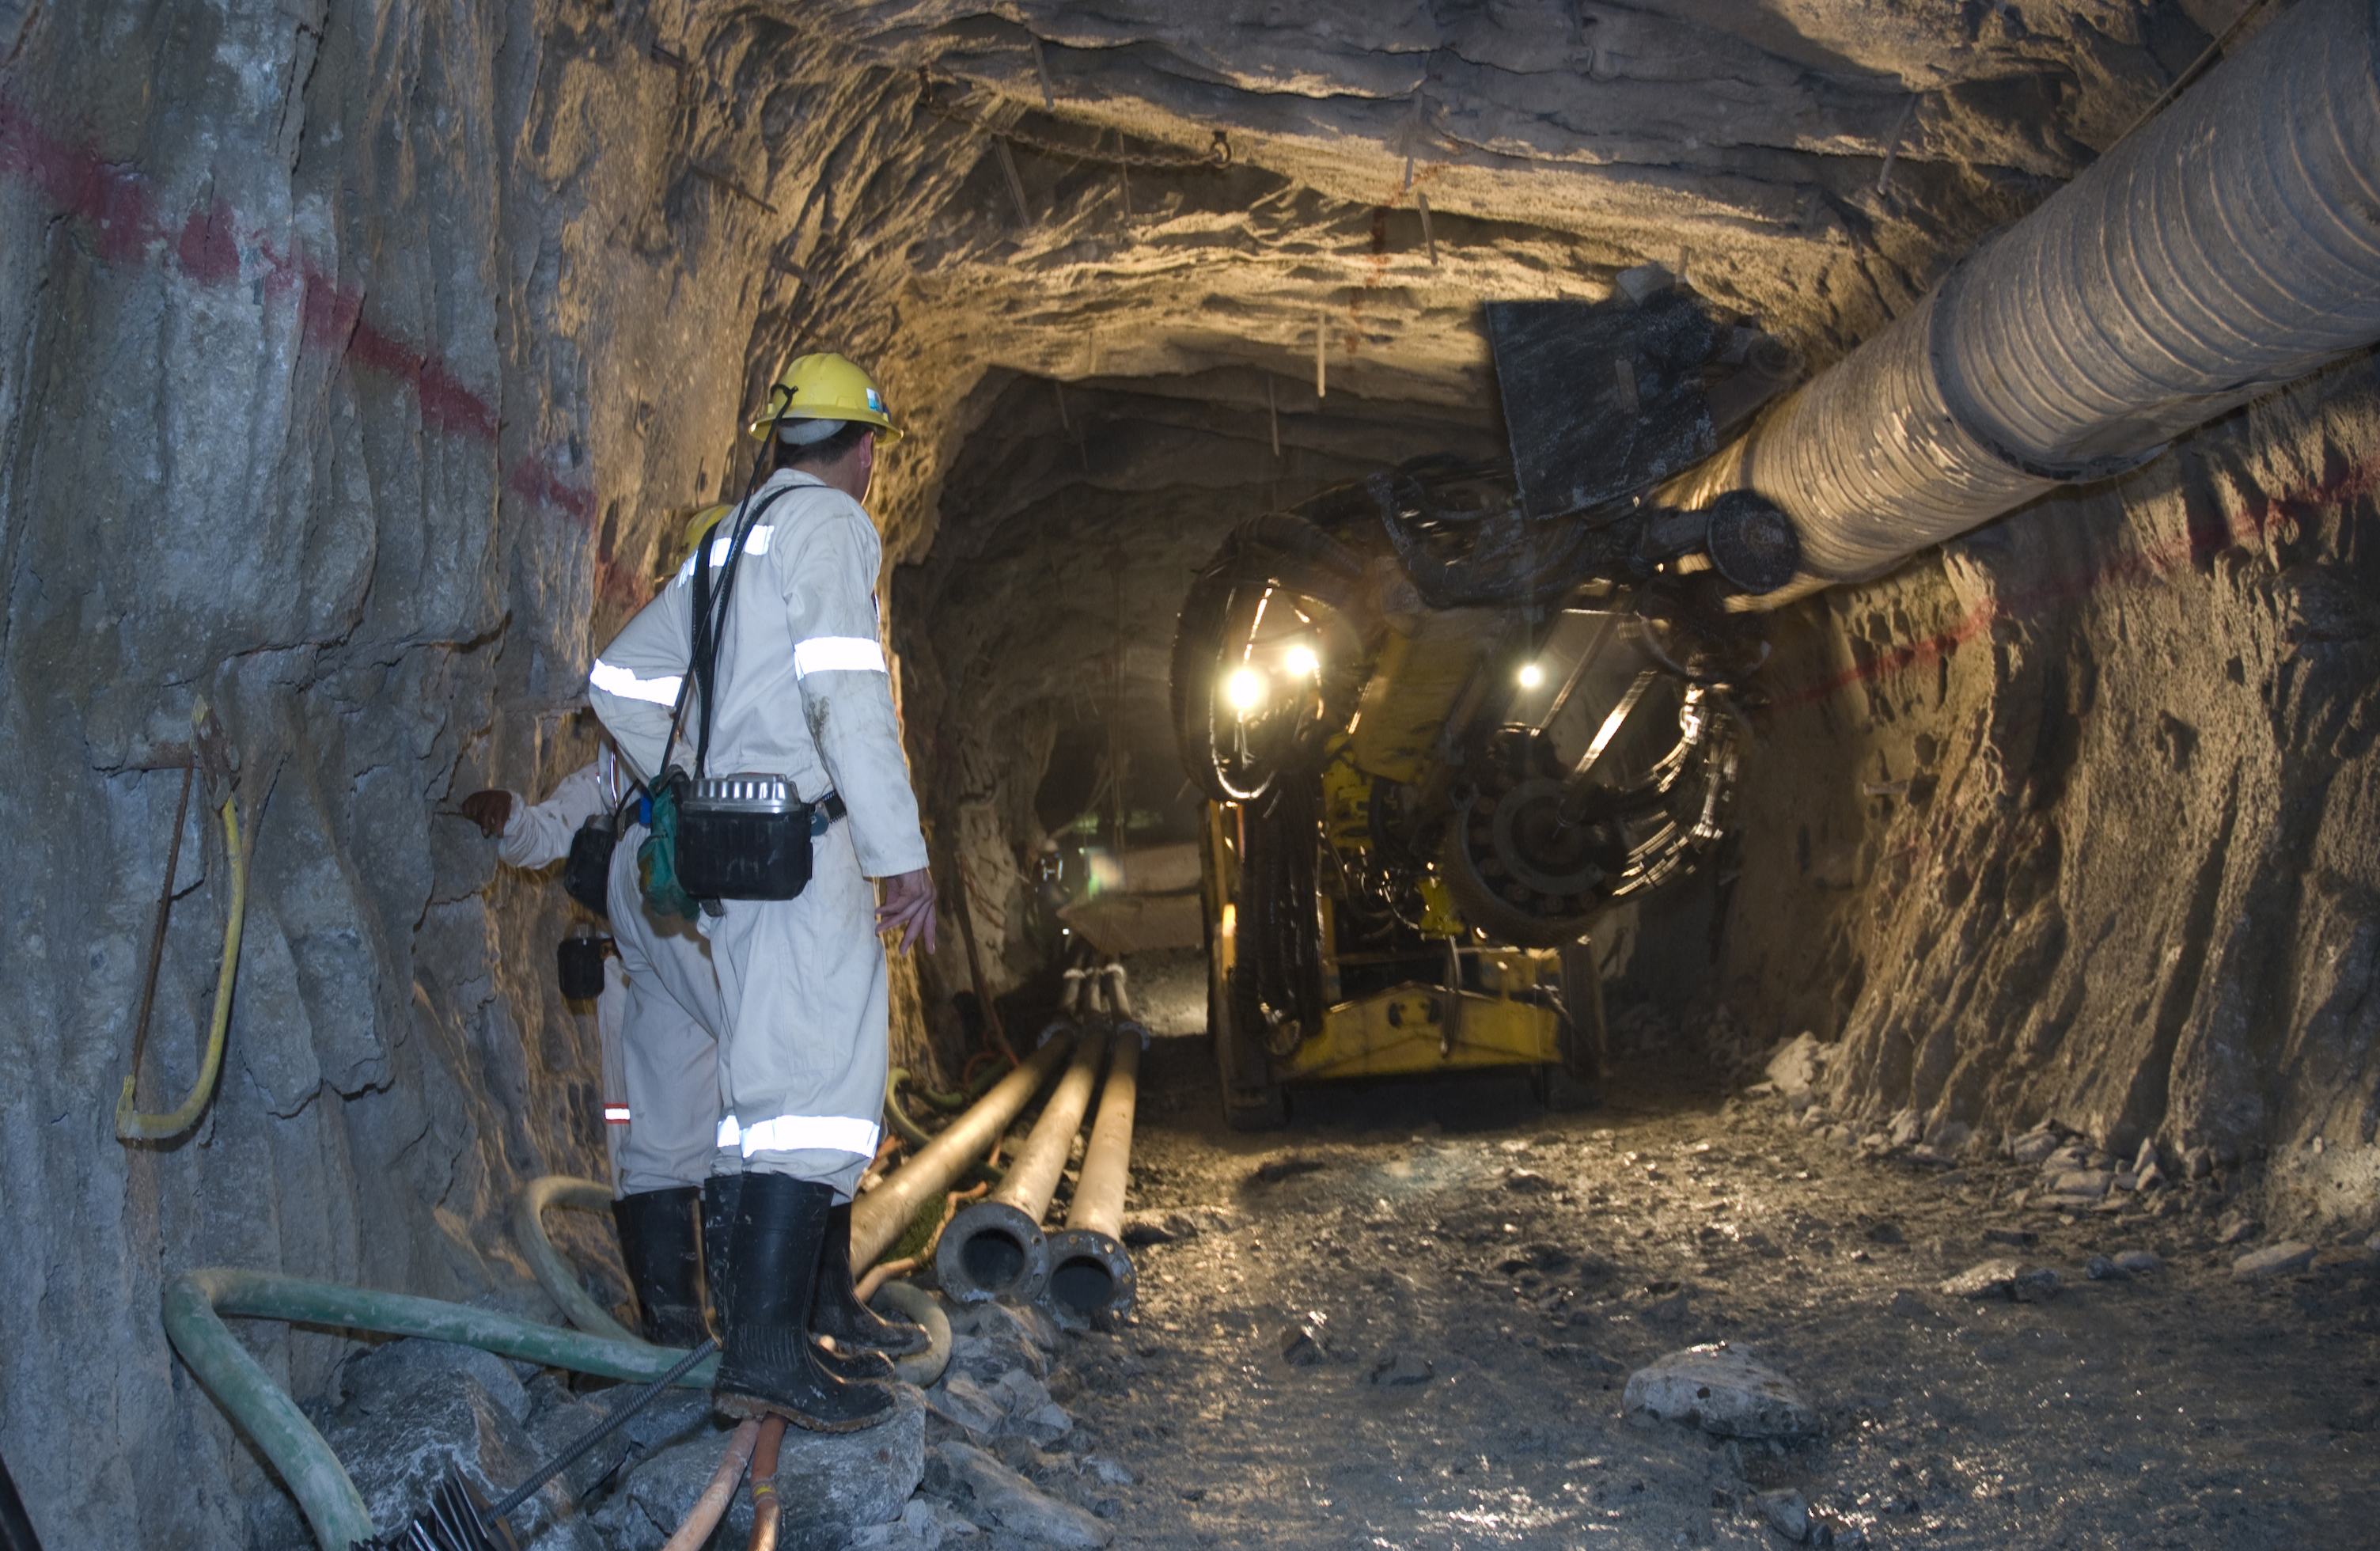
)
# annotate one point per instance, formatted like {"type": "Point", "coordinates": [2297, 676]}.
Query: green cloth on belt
{"type": "Point", "coordinates": [657, 858]}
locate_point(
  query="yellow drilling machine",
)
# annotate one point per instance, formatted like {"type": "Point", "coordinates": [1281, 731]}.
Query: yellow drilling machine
{"type": "Point", "coordinates": [1446, 717]}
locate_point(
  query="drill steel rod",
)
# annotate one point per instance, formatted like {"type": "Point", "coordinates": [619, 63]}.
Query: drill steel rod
{"type": "Point", "coordinates": [995, 1249]}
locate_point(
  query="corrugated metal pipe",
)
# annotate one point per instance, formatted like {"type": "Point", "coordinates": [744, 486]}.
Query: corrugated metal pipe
{"type": "Point", "coordinates": [2225, 247]}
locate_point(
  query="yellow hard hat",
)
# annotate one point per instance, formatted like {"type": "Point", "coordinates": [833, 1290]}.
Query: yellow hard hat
{"type": "Point", "coordinates": [703, 522]}
{"type": "Point", "coordinates": [825, 387]}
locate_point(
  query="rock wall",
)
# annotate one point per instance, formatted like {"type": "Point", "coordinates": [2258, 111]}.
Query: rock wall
{"type": "Point", "coordinates": [2074, 821]}
{"type": "Point", "coordinates": [359, 364]}
{"type": "Point", "coordinates": [356, 367]}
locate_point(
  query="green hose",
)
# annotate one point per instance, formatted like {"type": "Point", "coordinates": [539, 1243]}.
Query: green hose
{"type": "Point", "coordinates": [195, 1302]}
{"type": "Point", "coordinates": [910, 1130]}
{"type": "Point", "coordinates": [552, 1272]}
{"type": "Point", "coordinates": [951, 1103]}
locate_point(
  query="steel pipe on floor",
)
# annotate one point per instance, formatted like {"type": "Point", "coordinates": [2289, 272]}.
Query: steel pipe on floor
{"type": "Point", "coordinates": [995, 1248]}
{"type": "Point", "coordinates": [879, 1217]}
{"type": "Point", "coordinates": [2225, 247]}
{"type": "Point", "coordinates": [1090, 1275]}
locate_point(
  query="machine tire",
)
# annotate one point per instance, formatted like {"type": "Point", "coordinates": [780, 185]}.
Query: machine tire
{"type": "Point", "coordinates": [1586, 1037]}
{"type": "Point", "coordinates": [1271, 1114]}
{"type": "Point", "coordinates": [1554, 1088]}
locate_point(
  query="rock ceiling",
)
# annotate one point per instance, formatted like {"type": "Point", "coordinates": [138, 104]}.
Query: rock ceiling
{"type": "Point", "coordinates": [1116, 360]}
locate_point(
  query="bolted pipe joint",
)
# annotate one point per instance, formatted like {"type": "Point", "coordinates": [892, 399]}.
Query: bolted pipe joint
{"type": "Point", "coordinates": [992, 1250]}
{"type": "Point", "coordinates": [1090, 1278]}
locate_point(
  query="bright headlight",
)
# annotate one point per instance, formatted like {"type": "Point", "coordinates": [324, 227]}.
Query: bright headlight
{"type": "Point", "coordinates": [1531, 675]}
{"type": "Point", "coordinates": [1301, 662]}
{"type": "Point", "coordinates": [1244, 690]}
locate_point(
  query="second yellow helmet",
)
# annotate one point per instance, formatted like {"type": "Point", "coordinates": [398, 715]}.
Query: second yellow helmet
{"type": "Point", "coordinates": [703, 522]}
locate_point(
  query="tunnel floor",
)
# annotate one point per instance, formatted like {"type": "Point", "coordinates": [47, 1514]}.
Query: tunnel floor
{"type": "Point", "coordinates": [1532, 1260]}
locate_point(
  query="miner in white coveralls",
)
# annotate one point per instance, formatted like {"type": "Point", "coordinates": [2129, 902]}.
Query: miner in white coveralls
{"type": "Point", "coordinates": [657, 1020]}
{"type": "Point", "coordinates": [802, 692]}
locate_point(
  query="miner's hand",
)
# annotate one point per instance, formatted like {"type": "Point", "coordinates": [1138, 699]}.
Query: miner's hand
{"type": "Point", "coordinates": [908, 908]}
{"type": "Point", "coordinates": [489, 810]}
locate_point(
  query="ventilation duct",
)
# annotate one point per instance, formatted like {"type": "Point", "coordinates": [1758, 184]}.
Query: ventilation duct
{"type": "Point", "coordinates": [2228, 247]}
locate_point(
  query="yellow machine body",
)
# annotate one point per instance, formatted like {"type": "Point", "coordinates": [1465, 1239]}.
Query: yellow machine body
{"type": "Point", "coordinates": [1421, 1028]}
{"type": "Point", "coordinates": [1405, 1029]}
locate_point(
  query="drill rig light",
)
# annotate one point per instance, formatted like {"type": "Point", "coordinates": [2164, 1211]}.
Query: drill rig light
{"type": "Point", "coordinates": [1244, 690]}
{"type": "Point", "coordinates": [1301, 662]}
{"type": "Point", "coordinates": [1531, 675]}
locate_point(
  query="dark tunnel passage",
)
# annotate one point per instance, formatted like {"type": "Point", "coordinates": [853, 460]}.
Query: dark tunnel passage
{"type": "Point", "coordinates": [1685, 693]}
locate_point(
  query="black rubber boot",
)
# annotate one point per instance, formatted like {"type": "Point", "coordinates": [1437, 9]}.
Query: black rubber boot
{"type": "Point", "coordinates": [719, 1193]}
{"type": "Point", "coordinates": [769, 1365]}
{"type": "Point", "coordinates": [657, 1243]}
{"type": "Point", "coordinates": [856, 1365]}
{"type": "Point", "coordinates": [836, 1310]}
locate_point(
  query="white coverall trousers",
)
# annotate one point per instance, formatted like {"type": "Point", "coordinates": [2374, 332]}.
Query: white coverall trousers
{"type": "Point", "coordinates": [802, 1065]}
{"type": "Point", "coordinates": [669, 1054]}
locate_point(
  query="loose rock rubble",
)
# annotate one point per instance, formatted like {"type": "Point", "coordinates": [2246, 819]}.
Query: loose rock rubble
{"type": "Point", "coordinates": [1485, 1345]}
{"type": "Point", "coordinates": [2273, 1260]}
{"type": "Point", "coordinates": [1720, 1391]}
{"type": "Point", "coordinates": [1391, 1343]}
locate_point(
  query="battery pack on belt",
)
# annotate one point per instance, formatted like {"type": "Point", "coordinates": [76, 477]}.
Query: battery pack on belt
{"type": "Point", "coordinates": [748, 837]}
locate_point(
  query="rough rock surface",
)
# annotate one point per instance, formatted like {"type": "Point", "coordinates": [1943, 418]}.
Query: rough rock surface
{"type": "Point", "coordinates": [358, 366]}
{"type": "Point", "coordinates": [2242, 1406]}
{"type": "Point", "coordinates": [415, 1409]}
{"type": "Point", "coordinates": [1015, 1505]}
{"type": "Point", "coordinates": [2120, 890]}
{"type": "Point", "coordinates": [1719, 1390]}
{"type": "Point", "coordinates": [831, 1485]}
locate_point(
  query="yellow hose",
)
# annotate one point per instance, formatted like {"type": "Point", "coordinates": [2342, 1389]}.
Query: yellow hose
{"type": "Point", "coordinates": [132, 1125]}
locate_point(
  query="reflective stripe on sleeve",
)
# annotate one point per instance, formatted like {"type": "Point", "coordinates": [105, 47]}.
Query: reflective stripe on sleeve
{"type": "Point", "coordinates": [613, 680]}
{"type": "Point", "coordinates": [731, 1134]}
{"type": "Point", "coordinates": [757, 543]}
{"type": "Point", "coordinates": [826, 654]}
{"type": "Point", "coordinates": [799, 1134]}
{"type": "Point", "coordinates": [615, 1114]}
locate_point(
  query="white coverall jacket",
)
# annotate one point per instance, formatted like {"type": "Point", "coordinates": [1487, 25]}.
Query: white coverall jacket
{"type": "Point", "coordinates": [803, 693]}
{"type": "Point", "coordinates": [658, 1017]}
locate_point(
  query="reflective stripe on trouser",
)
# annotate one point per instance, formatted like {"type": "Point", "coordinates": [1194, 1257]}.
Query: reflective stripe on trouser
{"type": "Point", "coordinates": [803, 981]}
{"type": "Point", "coordinates": [610, 1009]}
{"type": "Point", "coordinates": [669, 1055]}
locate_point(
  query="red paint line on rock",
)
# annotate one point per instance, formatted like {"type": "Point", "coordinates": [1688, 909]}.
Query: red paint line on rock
{"type": "Point", "coordinates": [2247, 525]}
{"type": "Point", "coordinates": [117, 200]}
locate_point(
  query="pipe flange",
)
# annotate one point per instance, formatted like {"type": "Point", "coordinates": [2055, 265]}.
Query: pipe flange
{"type": "Point", "coordinates": [1091, 1279]}
{"type": "Point", "coordinates": [1753, 542]}
{"type": "Point", "coordinates": [992, 1250]}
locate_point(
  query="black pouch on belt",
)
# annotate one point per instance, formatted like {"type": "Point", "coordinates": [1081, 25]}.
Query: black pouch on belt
{"type": "Point", "coordinates": [578, 962]}
{"type": "Point", "coordinates": [744, 837]}
{"type": "Point", "coordinates": [587, 873]}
